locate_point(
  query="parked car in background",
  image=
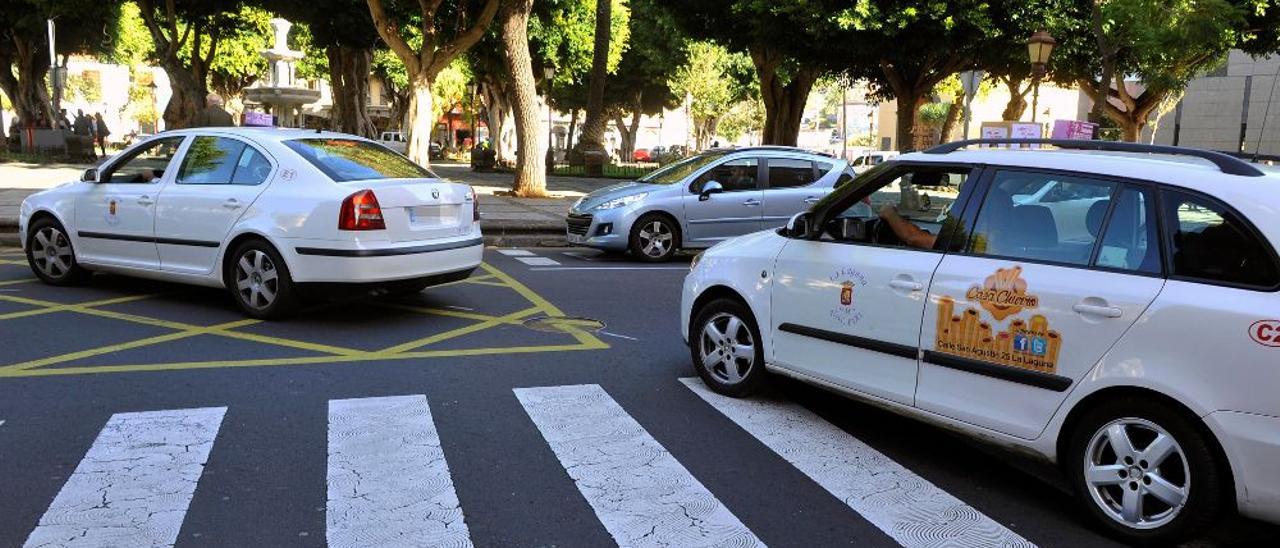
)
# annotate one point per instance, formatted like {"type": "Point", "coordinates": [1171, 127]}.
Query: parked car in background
{"type": "Point", "coordinates": [641, 155]}
{"type": "Point", "coordinates": [263, 212]}
{"type": "Point", "coordinates": [871, 158]}
{"type": "Point", "coordinates": [393, 140]}
{"type": "Point", "coordinates": [1113, 308]}
{"type": "Point", "coordinates": [702, 200]}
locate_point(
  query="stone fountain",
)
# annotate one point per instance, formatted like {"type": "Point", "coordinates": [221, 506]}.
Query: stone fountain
{"type": "Point", "coordinates": [280, 94]}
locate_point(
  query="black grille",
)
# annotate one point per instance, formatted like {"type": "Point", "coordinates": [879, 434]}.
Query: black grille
{"type": "Point", "coordinates": [578, 224]}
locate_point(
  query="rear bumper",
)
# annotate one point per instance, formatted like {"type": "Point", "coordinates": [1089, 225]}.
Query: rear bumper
{"type": "Point", "coordinates": [1252, 443]}
{"type": "Point", "coordinates": [334, 262]}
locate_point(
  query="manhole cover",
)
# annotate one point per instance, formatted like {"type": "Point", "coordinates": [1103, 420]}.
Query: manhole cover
{"type": "Point", "coordinates": [562, 324]}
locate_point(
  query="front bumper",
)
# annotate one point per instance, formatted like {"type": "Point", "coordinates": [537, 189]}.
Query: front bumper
{"type": "Point", "coordinates": [607, 229]}
{"type": "Point", "coordinates": [1252, 443]}
{"type": "Point", "coordinates": [330, 262]}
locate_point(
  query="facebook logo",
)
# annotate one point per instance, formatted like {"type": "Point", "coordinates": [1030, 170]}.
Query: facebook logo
{"type": "Point", "coordinates": [1021, 343]}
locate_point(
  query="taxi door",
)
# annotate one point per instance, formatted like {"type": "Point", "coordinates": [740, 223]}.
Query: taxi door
{"type": "Point", "coordinates": [847, 310]}
{"type": "Point", "coordinates": [1028, 308]}
{"type": "Point", "coordinates": [115, 219]}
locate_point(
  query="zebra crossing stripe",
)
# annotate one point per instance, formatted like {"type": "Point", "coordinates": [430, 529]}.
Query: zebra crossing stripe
{"type": "Point", "coordinates": [538, 261]}
{"type": "Point", "coordinates": [515, 252]}
{"type": "Point", "coordinates": [389, 484]}
{"type": "Point", "coordinates": [642, 495]}
{"type": "Point", "coordinates": [905, 506]}
{"type": "Point", "coordinates": [134, 485]}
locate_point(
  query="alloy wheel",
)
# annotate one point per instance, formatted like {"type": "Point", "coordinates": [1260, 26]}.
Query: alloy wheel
{"type": "Point", "coordinates": [257, 280]}
{"type": "Point", "coordinates": [656, 239]}
{"type": "Point", "coordinates": [1137, 473]}
{"type": "Point", "coordinates": [51, 252]}
{"type": "Point", "coordinates": [728, 350]}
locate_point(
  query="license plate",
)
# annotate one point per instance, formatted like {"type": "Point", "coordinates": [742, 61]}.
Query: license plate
{"type": "Point", "coordinates": [432, 215]}
{"type": "Point", "coordinates": [576, 238]}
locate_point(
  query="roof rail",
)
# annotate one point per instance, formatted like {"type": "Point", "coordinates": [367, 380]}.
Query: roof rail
{"type": "Point", "coordinates": [779, 148]}
{"type": "Point", "coordinates": [1227, 164]}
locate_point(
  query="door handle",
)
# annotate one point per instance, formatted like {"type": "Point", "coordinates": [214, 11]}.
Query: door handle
{"type": "Point", "coordinates": [1098, 310]}
{"type": "Point", "coordinates": [231, 203]}
{"type": "Point", "coordinates": [145, 200]}
{"type": "Point", "coordinates": [906, 284]}
{"type": "Point", "coordinates": [812, 200]}
{"type": "Point", "coordinates": [751, 203]}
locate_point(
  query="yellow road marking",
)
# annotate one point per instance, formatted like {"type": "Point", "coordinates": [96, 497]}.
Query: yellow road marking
{"type": "Point", "coordinates": [459, 331]}
{"type": "Point", "coordinates": [470, 280]}
{"type": "Point", "coordinates": [124, 346]}
{"type": "Point", "coordinates": [442, 312]}
{"type": "Point", "coordinates": [337, 354]}
{"type": "Point", "coordinates": [49, 307]}
{"type": "Point", "coordinates": [19, 281]}
{"type": "Point", "coordinates": [13, 262]}
{"type": "Point", "coordinates": [371, 357]}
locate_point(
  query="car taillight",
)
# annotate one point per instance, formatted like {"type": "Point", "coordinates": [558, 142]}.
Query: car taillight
{"type": "Point", "coordinates": [360, 211]}
{"type": "Point", "coordinates": [475, 206]}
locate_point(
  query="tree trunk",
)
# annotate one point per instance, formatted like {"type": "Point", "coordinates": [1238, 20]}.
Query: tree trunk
{"type": "Point", "coordinates": [1017, 105]}
{"type": "Point", "coordinates": [498, 108]}
{"type": "Point", "coordinates": [629, 131]}
{"type": "Point", "coordinates": [783, 103]}
{"type": "Point", "coordinates": [187, 98]}
{"type": "Point", "coordinates": [27, 90]}
{"type": "Point", "coordinates": [421, 121]}
{"type": "Point", "coordinates": [593, 127]}
{"type": "Point", "coordinates": [349, 78]}
{"type": "Point", "coordinates": [953, 115]}
{"type": "Point", "coordinates": [1107, 56]}
{"type": "Point", "coordinates": [908, 111]}
{"type": "Point", "coordinates": [531, 177]}
{"type": "Point", "coordinates": [573, 126]}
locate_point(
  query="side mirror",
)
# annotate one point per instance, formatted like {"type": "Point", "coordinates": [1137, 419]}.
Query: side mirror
{"type": "Point", "coordinates": [799, 226]}
{"type": "Point", "coordinates": [89, 176]}
{"type": "Point", "coordinates": [850, 229]}
{"type": "Point", "coordinates": [712, 187]}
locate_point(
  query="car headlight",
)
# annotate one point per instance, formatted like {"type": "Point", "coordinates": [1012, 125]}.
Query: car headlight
{"type": "Point", "coordinates": [693, 265]}
{"type": "Point", "coordinates": [622, 202]}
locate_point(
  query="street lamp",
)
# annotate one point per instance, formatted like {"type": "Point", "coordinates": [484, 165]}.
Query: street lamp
{"type": "Point", "coordinates": [475, 137]}
{"type": "Point", "coordinates": [549, 74]}
{"type": "Point", "coordinates": [1039, 48]}
{"type": "Point", "coordinates": [970, 81]}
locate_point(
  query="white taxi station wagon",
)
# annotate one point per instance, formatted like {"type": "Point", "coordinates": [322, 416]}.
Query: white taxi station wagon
{"type": "Point", "coordinates": [264, 212]}
{"type": "Point", "coordinates": [1109, 307]}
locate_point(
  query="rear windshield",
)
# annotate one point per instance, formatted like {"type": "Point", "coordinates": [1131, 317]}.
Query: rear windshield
{"type": "Point", "coordinates": [351, 160]}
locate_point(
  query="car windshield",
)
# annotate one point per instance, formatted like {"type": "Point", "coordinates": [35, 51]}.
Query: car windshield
{"type": "Point", "coordinates": [676, 172]}
{"type": "Point", "coordinates": [353, 160]}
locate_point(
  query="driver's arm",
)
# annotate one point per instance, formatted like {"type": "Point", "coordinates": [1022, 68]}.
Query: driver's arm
{"type": "Point", "coordinates": [905, 230]}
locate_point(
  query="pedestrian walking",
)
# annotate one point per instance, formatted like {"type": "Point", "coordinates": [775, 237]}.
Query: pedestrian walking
{"type": "Point", "coordinates": [101, 132]}
{"type": "Point", "coordinates": [213, 114]}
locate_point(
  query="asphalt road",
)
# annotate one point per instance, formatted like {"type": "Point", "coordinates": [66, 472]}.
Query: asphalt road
{"type": "Point", "coordinates": [496, 410]}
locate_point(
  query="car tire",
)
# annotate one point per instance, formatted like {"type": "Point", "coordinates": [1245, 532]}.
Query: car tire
{"type": "Point", "coordinates": [259, 281]}
{"type": "Point", "coordinates": [654, 238]}
{"type": "Point", "coordinates": [1185, 467]}
{"type": "Point", "coordinates": [725, 346]}
{"type": "Point", "coordinates": [51, 255]}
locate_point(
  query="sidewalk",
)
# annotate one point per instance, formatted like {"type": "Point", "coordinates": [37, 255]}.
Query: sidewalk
{"type": "Point", "coordinates": [506, 220]}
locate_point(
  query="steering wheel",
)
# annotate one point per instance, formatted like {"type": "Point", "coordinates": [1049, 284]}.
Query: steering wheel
{"type": "Point", "coordinates": [882, 234]}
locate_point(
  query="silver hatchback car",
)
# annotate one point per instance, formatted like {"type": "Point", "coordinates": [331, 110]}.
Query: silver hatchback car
{"type": "Point", "coordinates": [702, 200]}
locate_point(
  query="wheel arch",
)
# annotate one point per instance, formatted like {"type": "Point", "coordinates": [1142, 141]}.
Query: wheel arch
{"type": "Point", "coordinates": [224, 263]}
{"type": "Point", "coordinates": [675, 224]}
{"type": "Point", "coordinates": [715, 292]}
{"type": "Point", "coordinates": [1081, 408]}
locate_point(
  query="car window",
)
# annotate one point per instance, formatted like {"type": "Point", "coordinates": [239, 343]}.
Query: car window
{"type": "Point", "coordinates": [1015, 220]}
{"type": "Point", "coordinates": [1130, 241]}
{"type": "Point", "coordinates": [789, 172]}
{"type": "Point", "coordinates": [354, 160]}
{"type": "Point", "coordinates": [210, 161]}
{"type": "Point", "coordinates": [147, 164]}
{"type": "Point", "coordinates": [733, 175]}
{"type": "Point", "coordinates": [252, 169]}
{"type": "Point", "coordinates": [1210, 243]}
{"type": "Point", "coordinates": [678, 171]}
{"type": "Point", "coordinates": [922, 196]}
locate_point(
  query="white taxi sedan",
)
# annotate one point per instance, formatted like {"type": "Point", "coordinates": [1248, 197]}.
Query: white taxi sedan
{"type": "Point", "coordinates": [1113, 310]}
{"type": "Point", "coordinates": [264, 212]}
